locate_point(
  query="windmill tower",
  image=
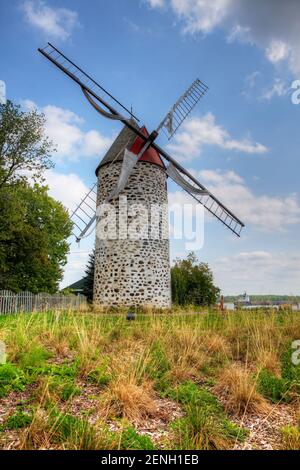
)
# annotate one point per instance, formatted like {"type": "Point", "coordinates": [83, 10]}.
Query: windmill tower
{"type": "Point", "coordinates": [133, 267]}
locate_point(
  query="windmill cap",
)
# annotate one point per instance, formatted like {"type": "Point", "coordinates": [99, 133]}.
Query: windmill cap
{"type": "Point", "coordinates": [128, 139]}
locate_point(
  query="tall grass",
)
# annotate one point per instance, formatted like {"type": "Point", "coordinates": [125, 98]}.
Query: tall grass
{"type": "Point", "coordinates": [241, 356]}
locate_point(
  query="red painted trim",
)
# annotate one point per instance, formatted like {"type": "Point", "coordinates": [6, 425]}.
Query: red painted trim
{"type": "Point", "coordinates": [151, 155]}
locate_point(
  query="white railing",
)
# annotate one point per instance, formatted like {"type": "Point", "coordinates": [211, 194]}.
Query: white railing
{"type": "Point", "coordinates": [28, 302]}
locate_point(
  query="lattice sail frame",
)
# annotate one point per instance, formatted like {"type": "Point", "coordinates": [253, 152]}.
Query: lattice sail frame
{"type": "Point", "coordinates": [182, 108]}
{"type": "Point", "coordinates": [202, 195]}
{"type": "Point", "coordinates": [81, 77]}
{"type": "Point", "coordinates": [84, 215]}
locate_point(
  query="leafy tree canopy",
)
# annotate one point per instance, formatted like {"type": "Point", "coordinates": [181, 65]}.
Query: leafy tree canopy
{"type": "Point", "coordinates": [33, 232]}
{"type": "Point", "coordinates": [33, 226]}
{"type": "Point", "coordinates": [192, 282]}
{"type": "Point", "coordinates": [24, 149]}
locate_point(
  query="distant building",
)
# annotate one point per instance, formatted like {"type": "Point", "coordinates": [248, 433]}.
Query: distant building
{"type": "Point", "coordinates": [76, 287]}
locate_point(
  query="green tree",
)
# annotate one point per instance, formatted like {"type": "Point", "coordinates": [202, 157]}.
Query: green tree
{"type": "Point", "coordinates": [24, 148]}
{"type": "Point", "coordinates": [88, 285]}
{"type": "Point", "coordinates": [33, 238]}
{"type": "Point", "coordinates": [192, 282]}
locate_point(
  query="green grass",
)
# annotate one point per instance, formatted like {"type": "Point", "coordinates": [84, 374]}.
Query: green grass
{"type": "Point", "coordinates": [275, 389]}
{"type": "Point", "coordinates": [17, 420]}
{"type": "Point", "coordinates": [12, 378]}
{"type": "Point", "coordinates": [131, 440]}
{"type": "Point", "coordinates": [205, 426]}
{"type": "Point", "coordinates": [291, 437]}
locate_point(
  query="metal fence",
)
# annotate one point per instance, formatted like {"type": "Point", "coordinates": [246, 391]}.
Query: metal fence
{"type": "Point", "coordinates": [28, 302]}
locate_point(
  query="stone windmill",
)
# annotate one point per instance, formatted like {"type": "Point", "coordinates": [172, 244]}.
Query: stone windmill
{"type": "Point", "coordinates": [132, 265]}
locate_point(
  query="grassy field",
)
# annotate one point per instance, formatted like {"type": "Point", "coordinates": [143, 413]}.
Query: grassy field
{"type": "Point", "coordinates": [177, 381]}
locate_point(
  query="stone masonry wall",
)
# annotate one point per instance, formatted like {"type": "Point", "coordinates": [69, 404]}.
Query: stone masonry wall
{"type": "Point", "coordinates": [134, 271]}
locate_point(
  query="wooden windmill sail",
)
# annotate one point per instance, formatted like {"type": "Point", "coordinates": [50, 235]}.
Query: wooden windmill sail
{"type": "Point", "coordinates": [138, 164]}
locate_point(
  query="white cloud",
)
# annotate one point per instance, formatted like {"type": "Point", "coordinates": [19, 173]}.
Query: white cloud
{"type": "Point", "coordinates": [197, 132]}
{"type": "Point", "coordinates": [278, 88]}
{"type": "Point", "coordinates": [56, 22]}
{"type": "Point", "coordinates": [270, 25]}
{"type": "Point", "coordinates": [256, 88]}
{"type": "Point", "coordinates": [199, 15]}
{"type": "Point", "coordinates": [277, 51]}
{"type": "Point", "coordinates": [239, 33]}
{"type": "Point", "coordinates": [66, 188]}
{"type": "Point", "coordinates": [263, 211]}
{"type": "Point", "coordinates": [156, 3]}
{"type": "Point", "coordinates": [76, 264]}
{"type": "Point", "coordinates": [70, 189]}
{"type": "Point", "coordinates": [260, 272]}
{"type": "Point", "coordinates": [64, 128]}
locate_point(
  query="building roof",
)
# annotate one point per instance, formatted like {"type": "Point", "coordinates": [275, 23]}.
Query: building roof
{"type": "Point", "coordinates": [78, 285]}
{"type": "Point", "coordinates": [128, 139]}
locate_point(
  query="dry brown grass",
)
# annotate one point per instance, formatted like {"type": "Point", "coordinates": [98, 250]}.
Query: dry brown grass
{"type": "Point", "coordinates": [185, 354]}
{"type": "Point", "coordinates": [215, 343]}
{"type": "Point", "coordinates": [268, 359]}
{"type": "Point", "coordinates": [36, 436]}
{"type": "Point", "coordinates": [239, 391]}
{"type": "Point", "coordinates": [124, 398]}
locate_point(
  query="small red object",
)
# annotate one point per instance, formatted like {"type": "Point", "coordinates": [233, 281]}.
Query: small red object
{"type": "Point", "coordinates": [151, 155]}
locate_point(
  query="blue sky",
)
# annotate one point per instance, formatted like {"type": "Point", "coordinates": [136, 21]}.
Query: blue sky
{"type": "Point", "coordinates": [242, 140]}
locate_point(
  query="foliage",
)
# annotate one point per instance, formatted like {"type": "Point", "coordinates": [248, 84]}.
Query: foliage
{"type": "Point", "coordinates": [33, 358]}
{"type": "Point", "coordinates": [99, 375]}
{"type": "Point", "coordinates": [23, 146]}
{"type": "Point", "coordinates": [131, 440]}
{"type": "Point", "coordinates": [192, 282]}
{"type": "Point", "coordinates": [11, 378]}
{"type": "Point", "coordinates": [88, 283]}
{"type": "Point", "coordinates": [33, 232]}
{"type": "Point", "coordinates": [17, 420]}
{"type": "Point", "coordinates": [274, 388]}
